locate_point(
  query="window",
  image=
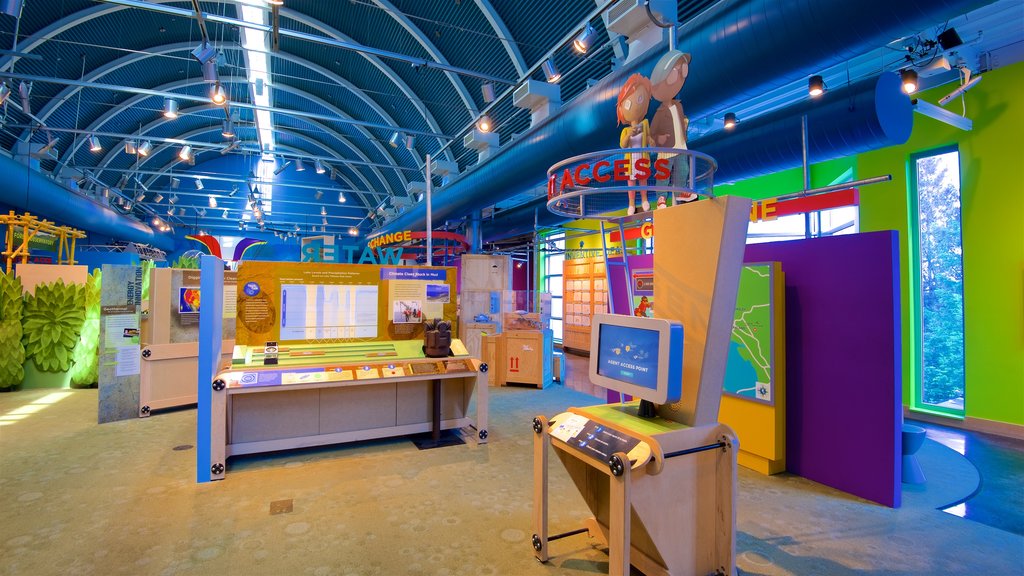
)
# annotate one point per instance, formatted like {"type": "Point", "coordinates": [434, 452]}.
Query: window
{"type": "Point", "coordinates": [554, 260]}
{"type": "Point", "coordinates": [832, 222]}
{"type": "Point", "coordinates": [939, 295]}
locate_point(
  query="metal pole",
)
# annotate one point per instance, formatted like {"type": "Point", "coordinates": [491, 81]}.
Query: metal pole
{"type": "Point", "coordinates": [807, 170]}
{"type": "Point", "coordinates": [430, 224]}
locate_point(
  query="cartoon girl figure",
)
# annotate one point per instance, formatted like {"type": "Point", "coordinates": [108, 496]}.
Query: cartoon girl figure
{"type": "Point", "coordinates": [631, 110]}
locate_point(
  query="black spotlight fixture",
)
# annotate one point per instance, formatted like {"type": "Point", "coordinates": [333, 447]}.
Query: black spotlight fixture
{"type": "Point", "coordinates": [816, 86]}
{"type": "Point", "coordinates": [908, 78]}
{"type": "Point", "coordinates": [730, 120]}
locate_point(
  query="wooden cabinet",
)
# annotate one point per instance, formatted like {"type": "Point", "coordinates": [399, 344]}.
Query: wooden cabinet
{"type": "Point", "coordinates": [585, 293]}
{"type": "Point", "coordinates": [519, 357]}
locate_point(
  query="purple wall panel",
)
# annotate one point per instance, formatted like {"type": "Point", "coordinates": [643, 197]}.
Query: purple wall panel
{"type": "Point", "coordinates": [618, 297]}
{"type": "Point", "coordinates": [843, 372]}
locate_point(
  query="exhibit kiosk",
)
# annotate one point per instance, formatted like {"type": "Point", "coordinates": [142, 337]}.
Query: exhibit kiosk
{"type": "Point", "coordinates": [658, 474]}
{"type": "Point", "coordinates": [332, 353]}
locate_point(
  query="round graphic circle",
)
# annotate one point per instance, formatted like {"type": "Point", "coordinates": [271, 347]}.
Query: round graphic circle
{"type": "Point", "coordinates": [251, 288]}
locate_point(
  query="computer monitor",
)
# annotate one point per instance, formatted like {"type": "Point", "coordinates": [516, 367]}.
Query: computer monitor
{"type": "Point", "coordinates": [642, 357]}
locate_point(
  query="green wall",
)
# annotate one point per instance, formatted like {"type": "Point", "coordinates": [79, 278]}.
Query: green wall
{"type": "Point", "coordinates": [991, 159]}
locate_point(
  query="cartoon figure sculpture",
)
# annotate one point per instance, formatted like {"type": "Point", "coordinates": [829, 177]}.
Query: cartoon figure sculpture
{"type": "Point", "coordinates": [634, 99]}
{"type": "Point", "coordinates": [668, 129]}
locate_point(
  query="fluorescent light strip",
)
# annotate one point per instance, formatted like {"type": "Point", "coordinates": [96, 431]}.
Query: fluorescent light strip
{"type": "Point", "coordinates": [256, 48]}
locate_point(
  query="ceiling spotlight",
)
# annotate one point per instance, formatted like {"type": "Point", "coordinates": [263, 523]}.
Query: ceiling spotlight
{"type": "Point", "coordinates": [319, 166]}
{"type": "Point", "coordinates": [341, 197]}
{"type": "Point", "coordinates": [94, 144]}
{"type": "Point", "coordinates": [173, 199]}
{"type": "Point", "coordinates": [225, 214]}
{"type": "Point", "coordinates": [24, 90]}
{"type": "Point", "coordinates": [158, 198]}
{"type": "Point", "coordinates": [484, 124]}
{"type": "Point", "coordinates": [730, 120]}
{"type": "Point", "coordinates": [583, 41]}
{"type": "Point", "coordinates": [297, 228]}
{"type": "Point", "coordinates": [170, 108]}
{"type": "Point", "coordinates": [334, 173]}
{"type": "Point", "coordinates": [298, 165]}
{"type": "Point", "coordinates": [816, 86]}
{"type": "Point", "coordinates": [324, 221]}
{"type": "Point", "coordinates": [123, 181]}
{"type": "Point", "coordinates": [141, 196]}
{"type": "Point", "coordinates": [199, 183]}
{"type": "Point", "coordinates": [488, 92]}
{"type": "Point", "coordinates": [353, 231]}
{"type": "Point", "coordinates": [201, 212]}
{"type": "Point", "coordinates": [129, 147]}
{"type": "Point", "coordinates": [170, 211]}
{"type": "Point", "coordinates": [5, 92]}
{"type": "Point", "coordinates": [217, 95]}
{"type": "Point", "coordinates": [145, 148]}
{"type": "Point", "coordinates": [227, 129]}
{"type": "Point", "coordinates": [241, 225]}
{"type": "Point", "coordinates": [323, 211]}
{"type": "Point", "coordinates": [213, 202]}
{"type": "Point", "coordinates": [282, 168]}
{"type": "Point", "coordinates": [410, 141]}
{"type": "Point", "coordinates": [175, 183]}
{"type": "Point", "coordinates": [550, 71]}
{"type": "Point", "coordinates": [395, 138]}
{"type": "Point", "coordinates": [319, 194]}
{"type": "Point", "coordinates": [185, 154]}
{"type": "Point", "coordinates": [909, 79]}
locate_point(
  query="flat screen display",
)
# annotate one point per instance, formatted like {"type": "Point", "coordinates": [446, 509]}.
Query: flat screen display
{"type": "Point", "coordinates": [629, 355]}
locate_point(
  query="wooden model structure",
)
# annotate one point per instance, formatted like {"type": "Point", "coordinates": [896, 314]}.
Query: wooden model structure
{"type": "Point", "coordinates": [30, 227]}
{"type": "Point", "coordinates": [667, 503]}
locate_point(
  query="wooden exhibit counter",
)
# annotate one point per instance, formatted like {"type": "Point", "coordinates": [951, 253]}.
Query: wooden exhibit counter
{"type": "Point", "coordinates": [327, 394]}
{"type": "Point", "coordinates": [662, 493]}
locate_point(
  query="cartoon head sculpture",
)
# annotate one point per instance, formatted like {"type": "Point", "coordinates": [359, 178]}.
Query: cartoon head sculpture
{"type": "Point", "coordinates": [669, 75]}
{"type": "Point", "coordinates": [634, 98]}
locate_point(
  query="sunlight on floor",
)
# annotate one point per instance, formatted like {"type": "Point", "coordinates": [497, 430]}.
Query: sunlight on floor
{"type": "Point", "coordinates": [32, 407]}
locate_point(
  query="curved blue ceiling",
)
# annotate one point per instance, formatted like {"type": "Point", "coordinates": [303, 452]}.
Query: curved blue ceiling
{"type": "Point", "coordinates": [132, 48]}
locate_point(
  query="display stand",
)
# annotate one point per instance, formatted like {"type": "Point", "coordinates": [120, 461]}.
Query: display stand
{"type": "Point", "coordinates": [171, 349]}
{"type": "Point", "coordinates": [663, 489]}
{"type": "Point", "coordinates": [668, 506]}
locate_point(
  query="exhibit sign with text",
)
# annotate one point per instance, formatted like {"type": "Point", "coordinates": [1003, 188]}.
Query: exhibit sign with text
{"type": "Point", "coordinates": [120, 355]}
{"type": "Point", "coordinates": [322, 302]}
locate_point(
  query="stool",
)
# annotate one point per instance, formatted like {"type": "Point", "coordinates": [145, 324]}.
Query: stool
{"type": "Point", "coordinates": [913, 438]}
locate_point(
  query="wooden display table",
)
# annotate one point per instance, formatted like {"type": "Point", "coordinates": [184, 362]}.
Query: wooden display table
{"type": "Point", "coordinates": [662, 493]}
{"type": "Point", "coordinates": [317, 397]}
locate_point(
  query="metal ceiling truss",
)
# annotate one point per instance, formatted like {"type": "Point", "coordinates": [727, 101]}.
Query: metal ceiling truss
{"type": "Point", "coordinates": [440, 63]}
{"type": "Point", "coordinates": [332, 155]}
{"type": "Point", "coordinates": [504, 35]}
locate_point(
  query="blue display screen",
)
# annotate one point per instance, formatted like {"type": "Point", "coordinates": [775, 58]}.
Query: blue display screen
{"type": "Point", "coordinates": [629, 355]}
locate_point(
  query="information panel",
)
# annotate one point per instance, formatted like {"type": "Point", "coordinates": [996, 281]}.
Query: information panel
{"type": "Point", "coordinates": [307, 302]}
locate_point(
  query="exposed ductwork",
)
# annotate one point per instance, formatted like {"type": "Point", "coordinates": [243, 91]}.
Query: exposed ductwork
{"type": "Point", "coordinates": [28, 190]}
{"type": "Point", "coordinates": [741, 49]}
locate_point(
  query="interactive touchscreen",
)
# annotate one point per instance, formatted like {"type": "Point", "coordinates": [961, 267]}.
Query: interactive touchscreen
{"type": "Point", "coordinates": [642, 357]}
{"type": "Point", "coordinates": [629, 354]}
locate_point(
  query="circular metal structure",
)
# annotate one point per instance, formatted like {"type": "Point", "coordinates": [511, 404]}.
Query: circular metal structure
{"type": "Point", "coordinates": [598, 184]}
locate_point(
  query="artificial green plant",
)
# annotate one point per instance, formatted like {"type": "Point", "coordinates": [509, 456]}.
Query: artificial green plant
{"type": "Point", "coordinates": [187, 262]}
{"type": "Point", "coordinates": [85, 368]}
{"type": "Point", "coordinates": [12, 359]}
{"type": "Point", "coordinates": [52, 324]}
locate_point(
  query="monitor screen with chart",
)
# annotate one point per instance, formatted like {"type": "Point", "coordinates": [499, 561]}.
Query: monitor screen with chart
{"type": "Point", "coordinates": [642, 357]}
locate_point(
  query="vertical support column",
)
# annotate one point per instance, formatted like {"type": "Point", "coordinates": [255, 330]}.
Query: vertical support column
{"type": "Point", "coordinates": [804, 143]}
{"type": "Point", "coordinates": [541, 440]}
{"type": "Point", "coordinates": [481, 403]}
{"type": "Point", "coordinates": [619, 519]}
{"type": "Point", "coordinates": [210, 439]}
{"type": "Point", "coordinates": [430, 219]}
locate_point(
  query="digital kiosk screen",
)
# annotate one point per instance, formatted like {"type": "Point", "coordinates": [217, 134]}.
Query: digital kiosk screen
{"type": "Point", "coordinates": [629, 355]}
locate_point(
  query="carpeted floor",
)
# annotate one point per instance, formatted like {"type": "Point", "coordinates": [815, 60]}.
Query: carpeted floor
{"type": "Point", "coordinates": [78, 498]}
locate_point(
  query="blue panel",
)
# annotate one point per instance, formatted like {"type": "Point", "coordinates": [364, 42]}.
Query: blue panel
{"type": "Point", "coordinates": [211, 286]}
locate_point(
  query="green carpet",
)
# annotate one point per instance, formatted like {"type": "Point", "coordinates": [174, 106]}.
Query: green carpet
{"type": "Point", "coordinates": [78, 498]}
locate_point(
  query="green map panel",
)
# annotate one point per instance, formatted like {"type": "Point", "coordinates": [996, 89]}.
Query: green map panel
{"type": "Point", "coordinates": [749, 371]}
